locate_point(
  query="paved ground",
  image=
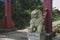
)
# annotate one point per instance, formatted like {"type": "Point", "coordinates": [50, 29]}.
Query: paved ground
{"type": "Point", "coordinates": [14, 36]}
{"type": "Point", "coordinates": [19, 35]}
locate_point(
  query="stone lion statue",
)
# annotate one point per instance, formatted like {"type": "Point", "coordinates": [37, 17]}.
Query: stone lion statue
{"type": "Point", "coordinates": [36, 25]}
{"type": "Point", "coordinates": [36, 21]}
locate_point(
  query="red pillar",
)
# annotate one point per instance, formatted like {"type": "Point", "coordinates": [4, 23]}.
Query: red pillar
{"type": "Point", "coordinates": [47, 8]}
{"type": "Point", "coordinates": [7, 23]}
{"type": "Point", "coordinates": [8, 20]}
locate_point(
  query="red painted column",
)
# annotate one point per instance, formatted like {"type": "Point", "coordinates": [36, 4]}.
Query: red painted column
{"type": "Point", "coordinates": [8, 20]}
{"type": "Point", "coordinates": [47, 8]}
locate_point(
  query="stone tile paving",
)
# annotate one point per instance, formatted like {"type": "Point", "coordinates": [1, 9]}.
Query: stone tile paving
{"type": "Point", "coordinates": [19, 35]}
{"type": "Point", "coordinates": [14, 36]}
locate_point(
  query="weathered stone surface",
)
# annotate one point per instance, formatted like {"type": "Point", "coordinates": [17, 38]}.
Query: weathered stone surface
{"type": "Point", "coordinates": [36, 20]}
{"type": "Point", "coordinates": [36, 23]}
{"type": "Point", "coordinates": [33, 36]}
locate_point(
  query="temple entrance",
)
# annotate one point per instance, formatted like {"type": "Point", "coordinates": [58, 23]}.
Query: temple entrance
{"type": "Point", "coordinates": [31, 18]}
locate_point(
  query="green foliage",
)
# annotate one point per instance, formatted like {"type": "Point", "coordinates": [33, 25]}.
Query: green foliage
{"type": "Point", "coordinates": [21, 10]}
{"type": "Point", "coordinates": [1, 11]}
{"type": "Point", "coordinates": [54, 16]}
{"type": "Point", "coordinates": [57, 27]}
